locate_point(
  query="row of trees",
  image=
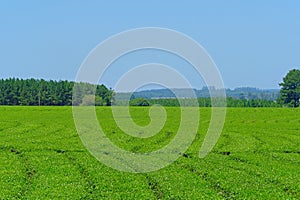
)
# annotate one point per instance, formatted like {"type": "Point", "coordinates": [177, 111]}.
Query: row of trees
{"type": "Point", "coordinates": [289, 97]}
{"type": "Point", "coordinates": [58, 93]}
{"type": "Point", "coordinates": [202, 102]}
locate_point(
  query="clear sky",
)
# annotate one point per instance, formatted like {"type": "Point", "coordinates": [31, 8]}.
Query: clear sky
{"type": "Point", "coordinates": [253, 43]}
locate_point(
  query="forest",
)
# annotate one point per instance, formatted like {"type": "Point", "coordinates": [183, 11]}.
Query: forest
{"type": "Point", "coordinates": [39, 92]}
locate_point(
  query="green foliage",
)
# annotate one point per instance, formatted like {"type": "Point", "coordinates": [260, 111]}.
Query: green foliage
{"type": "Point", "coordinates": [231, 102]}
{"type": "Point", "coordinates": [88, 100]}
{"type": "Point", "coordinates": [48, 93]}
{"type": "Point", "coordinates": [257, 157]}
{"type": "Point", "coordinates": [59, 93]}
{"type": "Point", "coordinates": [290, 89]}
{"type": "Point", "coordinates": [92, 100]}
{"type": "Point", "coordinates": [139, 102]}
{"type": "Point", "coordinates": [206, 102]}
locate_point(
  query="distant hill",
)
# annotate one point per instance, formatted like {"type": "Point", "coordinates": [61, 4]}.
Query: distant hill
{"type": "Point", "coordinates": [237, 93]}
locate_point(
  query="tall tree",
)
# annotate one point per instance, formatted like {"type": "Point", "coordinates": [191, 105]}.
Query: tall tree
{"type": "Point", "coordinates": [290, 88]}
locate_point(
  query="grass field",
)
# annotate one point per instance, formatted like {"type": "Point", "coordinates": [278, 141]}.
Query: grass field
{"type": "Point", "coordinates": [257, 157]}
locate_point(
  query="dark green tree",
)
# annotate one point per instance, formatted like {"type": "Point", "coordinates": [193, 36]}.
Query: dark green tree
{"type": "Point", "coordinates": [290, 89]}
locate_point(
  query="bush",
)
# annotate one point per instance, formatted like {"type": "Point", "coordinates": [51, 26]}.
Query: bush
{"type": "Point", "coordinates": [139, 102]}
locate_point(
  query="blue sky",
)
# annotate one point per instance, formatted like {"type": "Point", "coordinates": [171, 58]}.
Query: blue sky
{"type": "Point", "coordinates": [253, 43]}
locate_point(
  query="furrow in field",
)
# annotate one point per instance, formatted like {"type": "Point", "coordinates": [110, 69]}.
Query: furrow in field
{"type": "Point", "coordinates": [29, 170]}
{"type": "Point", "coordinates": [154, 187]}
{"type": "Point", "coordinates": [90, 185]}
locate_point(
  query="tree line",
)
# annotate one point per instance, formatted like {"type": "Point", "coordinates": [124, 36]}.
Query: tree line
{"type": "Point", "coordinates": [289, 96]}
{"type": "Point", "coordinates": [202, 102]}
{"type": "Point", "coordinates": [35, 92]}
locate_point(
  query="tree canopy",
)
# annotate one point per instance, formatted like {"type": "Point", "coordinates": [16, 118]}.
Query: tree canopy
{"type": "Point", "coordinates": [290, 89]}
{"type": "Point", "coordinates": [58, 93]}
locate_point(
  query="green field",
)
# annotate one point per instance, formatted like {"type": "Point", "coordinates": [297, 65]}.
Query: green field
{"type": "Point", "coordinates": [256, 157]}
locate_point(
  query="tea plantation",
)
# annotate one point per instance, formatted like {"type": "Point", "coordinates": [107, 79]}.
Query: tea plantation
{"type": "Point", "coordinates": [256, 157]}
